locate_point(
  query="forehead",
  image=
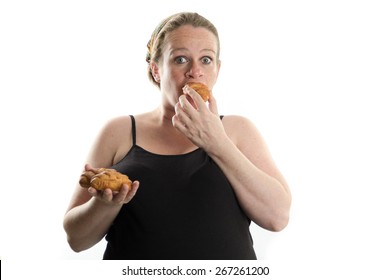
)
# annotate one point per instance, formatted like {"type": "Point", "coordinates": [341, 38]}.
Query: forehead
{"type": "Point", "coordinates": [190, 36]}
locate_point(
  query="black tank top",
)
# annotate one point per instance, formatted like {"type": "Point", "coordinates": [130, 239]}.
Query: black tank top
{"type": "Point", "coordinates": [184, 209]}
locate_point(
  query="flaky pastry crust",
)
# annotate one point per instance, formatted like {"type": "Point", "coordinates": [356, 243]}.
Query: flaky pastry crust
{"type": "Point", "coordinates": [201, 89]}
{"type": "Point", "coordinates": [104, 179]}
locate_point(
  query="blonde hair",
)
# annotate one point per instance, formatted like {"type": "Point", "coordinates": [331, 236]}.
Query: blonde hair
{"type": "Point", "coordinates": [157, 40]}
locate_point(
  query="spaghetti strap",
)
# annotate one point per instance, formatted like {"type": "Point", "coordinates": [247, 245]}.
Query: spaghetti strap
{"type": "Point", "coordinates": [133, 128]}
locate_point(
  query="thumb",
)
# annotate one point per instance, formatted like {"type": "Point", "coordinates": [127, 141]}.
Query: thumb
{"type": "Point", "coordinates": [89, 167]}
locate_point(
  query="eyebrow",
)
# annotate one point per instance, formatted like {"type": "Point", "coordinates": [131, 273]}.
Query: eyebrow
{"type": "Point", "coordinates": [185, 49]}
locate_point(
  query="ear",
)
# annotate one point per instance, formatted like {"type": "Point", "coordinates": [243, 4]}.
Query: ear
{"type": "Point", "coordinates": [155, 72]}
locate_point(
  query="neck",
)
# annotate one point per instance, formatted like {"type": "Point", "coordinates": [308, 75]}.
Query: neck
{"type": "Point", "coordinates": [163, 115]}
{"type": "Point", "coordinates": [162, 121]}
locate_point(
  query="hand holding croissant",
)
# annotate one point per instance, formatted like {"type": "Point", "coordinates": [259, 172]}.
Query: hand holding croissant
{"type": "Point", "coordinates": [103, 179]}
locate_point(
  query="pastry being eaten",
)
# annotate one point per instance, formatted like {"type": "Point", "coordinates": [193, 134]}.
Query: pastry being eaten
{"type": "Point", "coordinates": [104, 179]}
{"type": "Point", "coordinates": [201, 89]}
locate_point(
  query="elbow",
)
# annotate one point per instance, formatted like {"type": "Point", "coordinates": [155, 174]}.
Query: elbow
{"type": "Point", "coordinates": [79, 243]}
{"type": "Point", "coordinates": [73, 242]}
{"type": "Point", "coordinates": [281, 217]}
{"type": "Point", "coordinates": [276, 220]}
{"type": "Point", "coordinates": [279, 223]}
{"type": "Point", "coordinates": [74, 245]}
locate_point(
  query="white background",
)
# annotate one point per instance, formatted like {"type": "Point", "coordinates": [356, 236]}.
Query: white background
{"type": "Point", "coordinates": [314, 76]}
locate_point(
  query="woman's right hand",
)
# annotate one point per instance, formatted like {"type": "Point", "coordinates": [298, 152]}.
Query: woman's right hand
{"type": "Point", "coordinates": [109, 197]}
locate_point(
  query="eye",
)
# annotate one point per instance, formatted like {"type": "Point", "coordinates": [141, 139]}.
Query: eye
{"type": "Point", "coordinates": [206, 60]}
{"type": "Point", "coordinates": [181, 60]}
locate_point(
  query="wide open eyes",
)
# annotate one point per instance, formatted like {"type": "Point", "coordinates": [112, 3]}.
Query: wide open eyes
{"type": "Point", "coordinates": [183, 59]}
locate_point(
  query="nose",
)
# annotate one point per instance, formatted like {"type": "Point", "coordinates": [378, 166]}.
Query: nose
{"type": "Point", "coordinates": [194, 71]}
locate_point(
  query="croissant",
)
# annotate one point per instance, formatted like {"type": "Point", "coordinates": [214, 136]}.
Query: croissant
{"type": "Point", "coordinates": [85, 179]}
{"type": "Point", "coordinates": [201, 89]}
{"type": "Point", "coordinates": [103, 179]}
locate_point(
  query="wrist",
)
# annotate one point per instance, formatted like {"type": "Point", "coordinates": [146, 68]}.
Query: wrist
{"type": "Point", "coordinates": [220, 148]}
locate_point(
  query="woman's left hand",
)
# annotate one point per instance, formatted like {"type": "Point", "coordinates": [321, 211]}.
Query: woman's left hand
{"type": "Point", "coordinates": [260, 188]}
{"type": "Point", "coordinates": [199, 122]}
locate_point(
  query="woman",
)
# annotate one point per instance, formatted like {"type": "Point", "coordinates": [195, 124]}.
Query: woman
{"type": "Point", "coordinates": [199, 178]}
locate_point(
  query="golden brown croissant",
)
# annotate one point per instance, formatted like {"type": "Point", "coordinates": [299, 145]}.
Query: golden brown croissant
{"type": "Point", "coordinates": [103, 179]}
{"type": "Point", "coordinates": [201, 89]}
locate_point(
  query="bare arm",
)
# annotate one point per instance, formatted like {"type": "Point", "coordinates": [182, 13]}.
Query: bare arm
{"type": "Point", "coordinates": [243, 156]}
{"type": "Point", "coordinates": [259, 186]}
{"type": "Point", "coordinates": [90, 212]}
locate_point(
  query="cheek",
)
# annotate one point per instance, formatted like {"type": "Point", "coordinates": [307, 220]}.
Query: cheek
{"type": "Point", "coordinates": [175, 75]}
{"type": "Point", "coordinates": [212, 76]}
{"type": "Point", "coordinates": [172, 81]}
{"type": "Point", "coordinates": [169, 72]}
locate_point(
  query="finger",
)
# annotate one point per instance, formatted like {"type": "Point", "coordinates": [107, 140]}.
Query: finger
{"type": "Point", "coordinates": [187, 104]}
{"type": "Point", "coordinates": [132, 192]}
{"type": "Point", "coordinates": [178, 124]}
{"type": "Point", "coordinates": [181, 115]}
{"type": "Point", "coordinates": [107, 195]}
{"type": "Point", "coordinates": [97, 194]}
{"type": "Point", "coordinates": [92, 191]}
{"type": "Point", "coordinates": [121, 195]}
{"type": "Point", "coordinates": [89, 167]}
{"type": "Point", "coordinates": [195, 97]}
{"type": "Point", "coordinates": [180, 118]}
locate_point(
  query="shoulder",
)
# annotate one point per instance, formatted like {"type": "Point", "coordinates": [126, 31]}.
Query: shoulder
{"type": "Point", "coordinates": [114, 136]}
{"type": "Point", "coordinates": [235, 120]}
{"type": "Point", "coordinates": [115, 127]}
{"type": "Point", "coordinates": [248, 139]}
{"type": "Point", "coordinates": [240, 129]}
{"type": "Point", "coordinates": [117, 123]}
{"type": "Point", "coordinates": [117, 131]}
